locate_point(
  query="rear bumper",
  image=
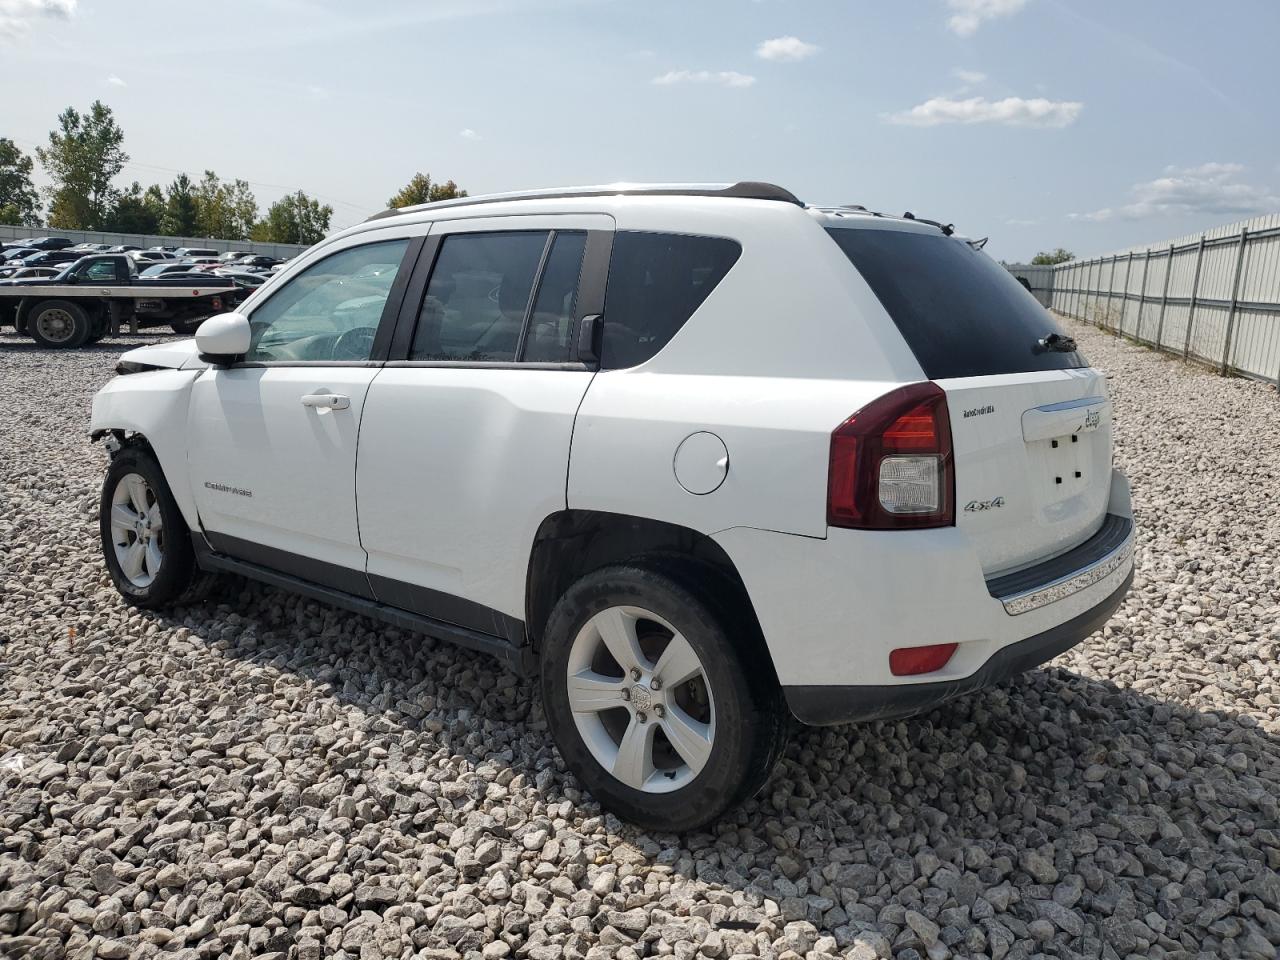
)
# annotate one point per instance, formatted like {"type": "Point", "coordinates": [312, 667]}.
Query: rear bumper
{"type": "Point", "coordinates": [832, 610]}
{"type": "Point", "coordinates": [826, 705]}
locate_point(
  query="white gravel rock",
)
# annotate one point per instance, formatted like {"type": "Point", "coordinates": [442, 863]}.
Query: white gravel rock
{"type": "Point", "coordinates": [264, 775]}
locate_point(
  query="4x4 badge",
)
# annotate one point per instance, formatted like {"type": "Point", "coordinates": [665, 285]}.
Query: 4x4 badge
{"type": "Point", "coordinates": [973, 506]}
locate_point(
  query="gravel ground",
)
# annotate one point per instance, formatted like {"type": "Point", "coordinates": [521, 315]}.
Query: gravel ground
{"type": "Point", "coordinates": [265, 776]}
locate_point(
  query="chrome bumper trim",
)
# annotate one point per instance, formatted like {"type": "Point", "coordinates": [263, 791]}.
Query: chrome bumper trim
{"type": "Point", "coordinates": [1119, 558]}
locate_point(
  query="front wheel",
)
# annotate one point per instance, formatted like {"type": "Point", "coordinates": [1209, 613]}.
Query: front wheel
{"type": "Point", "coordinates": [649, 700]}
{"type": "Point", "coordinates": [145, 541]}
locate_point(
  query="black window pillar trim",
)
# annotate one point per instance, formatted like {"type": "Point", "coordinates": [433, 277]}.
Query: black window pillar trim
{"type": "Point", "coordinates": [391, 309]}
{"type": "Point", "coordinates": [411, 303]}
{"type": "Point", "coordinates": [592, 279]}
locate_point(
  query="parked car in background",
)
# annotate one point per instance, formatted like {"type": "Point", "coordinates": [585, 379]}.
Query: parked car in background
{"type": "Point", "coordinates": [50, 243]}
{"type": "Point", "coordinates": [44, 258]}
{"type": "Point", "coordinates": [687, 518]}
{"type": "Point", "coordinates": [231, 255]}
{"type": "Point", "coordinates": [27, 273]}
{"type": "Point", "coordinates": [258, 260]}
{"type": "Point", "coordinates": [242, 278]}
{"type": "Point", "coordinates": [163, 249]}
{"type": "Point", "coordinates": [195, 252]}
{"type": "Point", "coordinates": [88, 247]}
{"type": "Point", "coordinates": [150, 256]}
{"type": "Point", "coordinates": [15, 254]}
{"type": "Point", "coordinates": [198, 264]}
{"type": "Point", "coordinates": [164, 269]}
{"type": "Point", "coordinates": [124, 248]}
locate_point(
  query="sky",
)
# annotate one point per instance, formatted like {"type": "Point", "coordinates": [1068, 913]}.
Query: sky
{"type": "Point", "coordinates": [1038, 123]}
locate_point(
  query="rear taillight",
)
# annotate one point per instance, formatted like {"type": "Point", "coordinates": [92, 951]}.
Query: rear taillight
{"type": "Point", "coordinates": [891, 463]}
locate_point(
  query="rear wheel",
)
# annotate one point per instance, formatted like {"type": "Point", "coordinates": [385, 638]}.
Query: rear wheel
{"type": "Point", "coordinates": [649, 701]}
{"type": "Point", "coordinates": [145, 541]}
{"type": "Point", "coordinates": [186, 328]}
{"type": "Point", "coordinates": [57, 324]}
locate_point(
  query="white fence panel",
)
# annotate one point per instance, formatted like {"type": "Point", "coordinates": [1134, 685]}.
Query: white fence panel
{"type": "Point", "coordinates": [1214, 296]}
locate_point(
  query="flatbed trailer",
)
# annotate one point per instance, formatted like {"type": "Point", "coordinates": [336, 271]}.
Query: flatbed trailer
{"type": "Point", "coordinates": [100, 294]}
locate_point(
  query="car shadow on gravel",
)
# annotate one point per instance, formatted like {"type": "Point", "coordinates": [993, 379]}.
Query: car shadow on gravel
{"type": "Point", "coordinates": [1054, 806]}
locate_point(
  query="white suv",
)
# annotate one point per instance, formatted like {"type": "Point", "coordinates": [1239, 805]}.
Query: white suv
{"type": "Point", "coordinates": [700, 456]}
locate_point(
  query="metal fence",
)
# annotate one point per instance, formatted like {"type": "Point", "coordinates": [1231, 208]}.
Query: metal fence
{"type": "Point", "coordinates": [282, 250]}
{"type": "Point", "coordinates": [1213, 297]}
{"type": "Point", "coordinates": [1038, 279]}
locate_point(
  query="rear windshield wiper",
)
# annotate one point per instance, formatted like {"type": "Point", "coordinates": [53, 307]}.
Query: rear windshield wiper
{"type": "Point", "coordinates": [1058, 342]}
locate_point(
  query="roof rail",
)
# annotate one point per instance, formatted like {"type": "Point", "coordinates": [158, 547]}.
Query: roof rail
{"type": "Point", "coordinates": [743, 190]}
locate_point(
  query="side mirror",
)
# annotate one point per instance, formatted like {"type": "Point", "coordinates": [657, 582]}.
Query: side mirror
{"type": "Point", "coordinates": [71, 278]}
{"type": "Point", "coordinates": [223, 338]}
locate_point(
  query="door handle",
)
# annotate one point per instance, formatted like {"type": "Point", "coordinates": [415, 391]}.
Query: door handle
{"type": "Point", "coordinates": [326, 401]}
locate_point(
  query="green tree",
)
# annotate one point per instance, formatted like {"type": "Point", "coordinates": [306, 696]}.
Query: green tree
{"type": "Point", "coordinates": [19, 201]}
{"type": "Point", "coordinates": [225, 210]}
{"type": "Point", "coordinates": [84, 155]}
{"type": "Point", "coordinates": [421, 189]}
{"type": "Point", "coordinates": [1048, 259]}
{"type": "Point", "coordinates": [137, 210]}
{"type": "Point", "coordinates": [294, 218]}
{"type": "Point", "coordinates": [181, 212]}
{"type": "Point", "coordinates": [243, 206]}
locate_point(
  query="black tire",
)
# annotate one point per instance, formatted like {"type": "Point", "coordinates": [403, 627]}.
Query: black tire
{"type": "Point", "coordinates": [67, 315]}
{"type": "Point", "coordinates": [178, 578]}
{"type": "Point", "coordinates": [750, 721]}
{"type": "Point", "coordinates": [186, 328]}
{"type": "Point", "coordinates": [100, 329]}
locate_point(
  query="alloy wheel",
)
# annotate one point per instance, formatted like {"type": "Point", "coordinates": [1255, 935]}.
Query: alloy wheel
{"type": "Point", "coordinates": [137, 530]}
{"type": "Point", "coordinates": [641, 699]}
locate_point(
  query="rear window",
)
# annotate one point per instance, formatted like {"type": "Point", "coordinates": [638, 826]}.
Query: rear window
{"type": "Point", "coordinates": [961, 313]}
{"type": "Point", "coordinates": [656, 282]}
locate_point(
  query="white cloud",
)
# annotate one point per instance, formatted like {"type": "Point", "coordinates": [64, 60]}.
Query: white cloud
{"type": "Point", "coordinates": [17, 16]}
{"type": "Point", "coordinates": [724, 78]}
{"type": "Point", "coordinates": [116, 81]}
{"type": "Point", "coordinates": [786, 49]}
{"type": "Point", "coordinates": [1011, 111]}
{"type": "Point", "coordinates": [1210, 188]}
{"type": "Point", "coordinates": [468, 134]}
{"type": "Point", "coordinates": [970, 14]}
{"type": "Point", "coordinates": [969, 77]}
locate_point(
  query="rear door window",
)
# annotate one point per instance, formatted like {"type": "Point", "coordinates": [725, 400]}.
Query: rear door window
{"type": "Point", "coordinates": [961, 313]}
{"type": "Point", "coordinates": [478, 295]}
{"type": "Point", "coordinates": [656, 282]}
